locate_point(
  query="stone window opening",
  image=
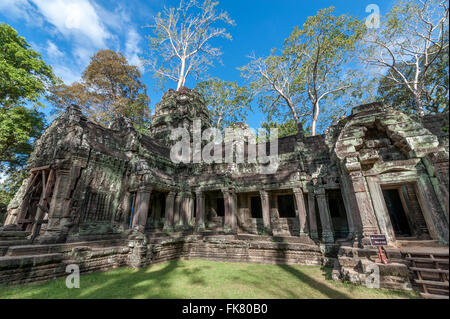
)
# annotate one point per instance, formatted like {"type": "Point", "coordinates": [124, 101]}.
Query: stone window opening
{"type": "Point", "coordinates": [220, 207]}
{"type": "Point", "coordinates": [286, 206]}
{"type": "Point", "coordinates": [97, 208]}
{"type": "Point", "coordinates": [256, 207]}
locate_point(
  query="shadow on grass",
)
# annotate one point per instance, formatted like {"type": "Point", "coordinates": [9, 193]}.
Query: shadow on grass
{"type": "Point", "coordinates": [327, 273]}
{"type": "Point", "coordinates": [314, 284]}
{"type": "Point", "coordinates": [183, 279]}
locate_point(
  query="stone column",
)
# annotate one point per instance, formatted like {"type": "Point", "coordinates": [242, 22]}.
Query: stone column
{"type": "Point", "coordinates": [191, 210]}
{"type": "Point", "coordinates": [351, 208]}
{"type": "Point", "coordinates": [313, 232]}
{"type": "Point", "coordinates": [433, 213]}
{"type": "Point", "coordinates": [226, 200]}
{"type": "Point", "coordinates": [301, 211]}
{"type": "Point", "coordinates": [170, 201]}
{"type": "Point", "coordinates": [58, 219]}
{"type": "Point", "coordinates": [265, 209]}
{"type": "Point", "coordinates": [233, 209]}
{"type": "Point", "coordinates": [365, 208]}
{"type": "Point", "coordinates": [200, 213]}
{"type": "Point", "coordinates": [141, 208]}
{"type": "Point", "coordinates": [185, 209]}
{"type": "Point", "coordinates": [325, 217]}
{"type": "Point", "coordinates": [176, 210]}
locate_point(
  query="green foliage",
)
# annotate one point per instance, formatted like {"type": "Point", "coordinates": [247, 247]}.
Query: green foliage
{"type": "Point", "coordinates": [312, 70]}
{"type": "Point", "coordinates": [287, 128]}
{"type": "Point", "coordinates": [226, 101]}
{"type": "Point", "coordinates": [109, 88]}
{"type": "Point", "coordinates": [24, 76]}
{"type": "Point", "coordinates": [9, 187]}
{"type": "Point", "coordinates": [19, 127]}
{"type": "Point", "coordinates": [325, 48]}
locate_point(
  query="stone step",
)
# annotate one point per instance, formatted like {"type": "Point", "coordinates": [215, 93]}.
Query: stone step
{"type": "Point", "coordinates": [7, 262]}
{"type": "Point", "coordinates": [431, 270]}
{"type": "Point", "coordinates": [418, 243]}
{"type": "Point", "coordinates": [431, 283]}
{"type": "Point", "coordinates": [15, 242]}
{"type": "Point", "coordinates": [427, 260]}
{"type": "Point", "coordinates": [6, 235]}
{"type": "Point", "coordinates": [433, 296]}
{"type": "Point", "coordinates": [31, 250]}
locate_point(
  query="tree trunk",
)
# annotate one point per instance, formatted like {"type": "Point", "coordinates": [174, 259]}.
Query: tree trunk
{"type": "Point", "coordinates": [316, 111]}
{"type": "Point", "coordinates": [181, 78]}
{"type": "Point", "coordinates": [419, 104]}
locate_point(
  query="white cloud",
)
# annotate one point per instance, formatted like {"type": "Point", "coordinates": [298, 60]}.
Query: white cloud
{"type": "Point", "coordinates": [76, 29]}
{"type": "Point", "coordinates": [20, 9]}
{"type": "Point", "coordinates": [76, 18]}
{"type": "Point", "coordinates": [66, 74]}
{"type": "Point", "coordinates": [53, 51]}
{"type": "Point", "coordinates": [132, 48]}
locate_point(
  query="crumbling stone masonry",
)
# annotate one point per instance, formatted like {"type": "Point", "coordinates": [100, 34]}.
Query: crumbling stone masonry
{"type": "Point", "coordinates": [108, 197]}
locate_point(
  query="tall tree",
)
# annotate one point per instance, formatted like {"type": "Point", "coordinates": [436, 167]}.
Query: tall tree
{"type": "Point", "coordinates": [227, 102]}
{"type": "Point", "coordinates": [277, 81]}
{"type": "Point", "coordinates": [109, 88]}
{"type": "Point", "coordinates": [409, 44]}
{"type": "Point", "coordinates": [24, 76]}
{"type": "Point", "coordinates": [19, 128]}
{"type": "Point", "coordinates": [181, 37]}
{"type": "Point", "coordinates": [313, 67]}
{"type": "Point", "coordinates": [436, 84]}
{"type": "Point", "coordinates": [325, 47]}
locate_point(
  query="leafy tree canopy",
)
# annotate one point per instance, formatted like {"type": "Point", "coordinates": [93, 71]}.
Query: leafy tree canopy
{"type": "Point", "coordinates": [227, 102]}
{"type": "Point", "coordinates": [109, 88]}
{"type": "Point", "coordinates": [24, 76]}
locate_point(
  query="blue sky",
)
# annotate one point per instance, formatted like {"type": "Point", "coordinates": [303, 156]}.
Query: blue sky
{"type": "Point", "coordinates": [68, 32]}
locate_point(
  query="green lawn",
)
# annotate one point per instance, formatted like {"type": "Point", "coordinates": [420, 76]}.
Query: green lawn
{"type": "Point", "coordinates": [205, 279]}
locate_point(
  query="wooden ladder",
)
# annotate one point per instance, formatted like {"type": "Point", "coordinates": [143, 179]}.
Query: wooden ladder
{"type": "Point", "coordinates": [430, 273]}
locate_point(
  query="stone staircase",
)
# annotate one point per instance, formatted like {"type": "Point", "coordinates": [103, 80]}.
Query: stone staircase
{"type": "Point", "coordinates": [414, 242]}
{"type": "Point", "coordinates": [429, 273]}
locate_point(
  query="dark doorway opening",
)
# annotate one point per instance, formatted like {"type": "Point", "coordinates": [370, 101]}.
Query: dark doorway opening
{"type": "Point", "coordinates": [338, 213]}
{"type": "Point", "coordinates": [256, 207]}
{"type": "Point", "coordinates": [396, 213]}
{"type": "Point", "coordinates": [318, 219]}
{"type": "Point", "coordinates": [163, 205]}
{"type": "Point", "coordinates": [286, 206]}
{"type": "Point", "coordinates": [220, 207]}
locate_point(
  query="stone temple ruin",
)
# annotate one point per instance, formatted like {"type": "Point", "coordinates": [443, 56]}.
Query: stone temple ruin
{"type": "Point", "coordinates": [104, 198]}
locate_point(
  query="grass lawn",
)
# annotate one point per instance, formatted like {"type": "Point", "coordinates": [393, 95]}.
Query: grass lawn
{"type": "Point", "coordinates": [200, 279]}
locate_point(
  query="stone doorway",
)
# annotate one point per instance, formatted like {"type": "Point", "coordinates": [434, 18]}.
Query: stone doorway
{"type": "Point", "coordinates": [157, 211]}
{"type": "Point", "coordinates": [396, 212]}
{"type": "Point", "coordinates": [405, 212]}
{"type": "Point", "coordinates": [338, 213]}
{"type": "Point", "coordinates": [214, 209]}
